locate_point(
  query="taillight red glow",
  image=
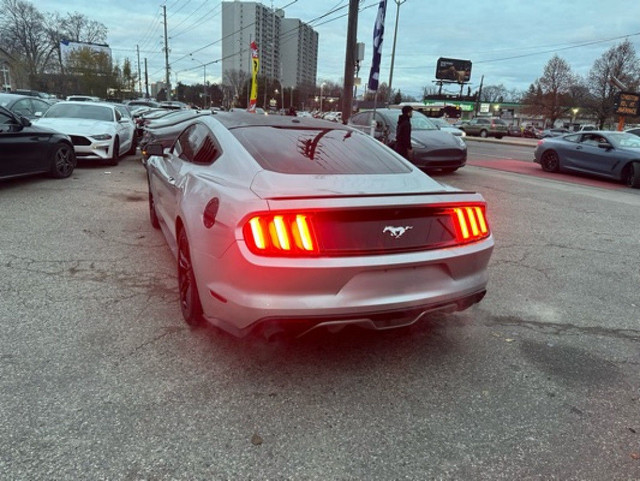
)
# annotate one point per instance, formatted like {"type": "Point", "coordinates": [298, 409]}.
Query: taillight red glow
{"type": "Point", "coordinates": [280, 234]}
{"type": "Point", "coordinates": [470, 223]}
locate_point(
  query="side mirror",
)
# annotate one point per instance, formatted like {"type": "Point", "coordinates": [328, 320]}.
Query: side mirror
{"type": "Point", "coordinates": [605, 146]}
{"type": "Point", "coordinates": [154, 149]}
{"type": "Point", "coordinates": [25, 122]}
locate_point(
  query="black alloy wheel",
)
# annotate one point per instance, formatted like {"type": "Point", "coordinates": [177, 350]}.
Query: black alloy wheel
{"type": "Point", "coordinates": [631, 175]}
{"type": "Point", "coordinates": [190, 304]}
{"type": "Point", "coordinates": [550, 161]}
{"type": "Point", "coordinates": [63, 161]}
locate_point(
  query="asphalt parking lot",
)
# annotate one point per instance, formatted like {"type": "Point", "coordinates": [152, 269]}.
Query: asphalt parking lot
{"type": "Point", "coordinates": [101, 378]}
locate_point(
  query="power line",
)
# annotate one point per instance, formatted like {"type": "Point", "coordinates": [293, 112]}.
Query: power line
{"type": "Point", "coordinates": [207, 16]}
{"type": "Point", "coordinates": [539, 52]}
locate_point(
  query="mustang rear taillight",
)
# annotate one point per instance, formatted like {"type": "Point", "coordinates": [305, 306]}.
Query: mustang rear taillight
{"type": "Point", "coordinates": [281, 235]}
{"type": "Point", "coordinates": [470, 223]}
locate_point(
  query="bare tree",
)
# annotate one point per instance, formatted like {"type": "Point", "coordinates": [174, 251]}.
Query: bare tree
{"type": "Point", "coordinates": [234, 84]}
{"type": "Point", "coordinates": [549, 96]}
{"type": "Point", "coordinates": [78, 28]}
{"type": "Point", "coordinates": [493, 93]}
{"type": "Point", "coordinates": [23, 33]}
{"type": "Point", "coordinates": [620, 62]}
{"type": "Point", "coordinates": [75, 27]}
{"type": "Point", "coordinates": [429, 90]}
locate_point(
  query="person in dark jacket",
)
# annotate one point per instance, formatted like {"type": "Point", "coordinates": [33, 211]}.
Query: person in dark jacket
{"type": "Point", "coordinates": [403, 132]}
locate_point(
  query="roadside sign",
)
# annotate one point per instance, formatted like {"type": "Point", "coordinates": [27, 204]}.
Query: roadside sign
{"type": "Point", "coordinates": [627, 103]}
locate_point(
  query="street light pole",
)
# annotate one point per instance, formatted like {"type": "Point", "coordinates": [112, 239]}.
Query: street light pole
{"type": "Point", "coordinates": [204, 80]}
{"type": "Point", "coordinates": [393, 50]}
{"type": "Point", "coordinates": [204, 86]}
{"type": "Point", "coordinates": [321, 92]}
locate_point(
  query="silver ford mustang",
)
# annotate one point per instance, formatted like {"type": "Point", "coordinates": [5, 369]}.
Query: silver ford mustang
{"type": "Point", "coordinates": [286, 224]}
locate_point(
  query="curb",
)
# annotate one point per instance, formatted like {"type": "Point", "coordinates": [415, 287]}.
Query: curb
{"type": "Point", "coordinates": [505, 141]}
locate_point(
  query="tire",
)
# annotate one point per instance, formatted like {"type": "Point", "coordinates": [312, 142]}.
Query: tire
{"type": "Point", "coordinates": [153, 215]}
{"type": "Point", "coordinates": [190, 304]}
{"type": "Point", "coordinates": [63, 161]}
{"type": "Point", "coordinates": [550, 161]}
{"type": "Point", "coordinates": [483, 134]}
{"type": "Point", "coordinates": [115, 157]}
{"type": "Point", "coordinates": [134, 145]}
{"type": "Point", "coordinates": [631, 175]}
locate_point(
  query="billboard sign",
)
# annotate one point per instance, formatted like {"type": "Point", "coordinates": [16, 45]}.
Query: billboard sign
{"type": "Point", "coordinates": [68, 47]}
{"type": "Point", "coordinates": [453, 70]}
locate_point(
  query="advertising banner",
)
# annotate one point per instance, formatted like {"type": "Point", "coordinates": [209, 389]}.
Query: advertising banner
{"type": "Point", "coordinates": [255, 63]}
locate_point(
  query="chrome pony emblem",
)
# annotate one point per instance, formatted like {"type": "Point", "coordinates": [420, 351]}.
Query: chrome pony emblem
{"type": "Point", "coordinates": [396, 232]}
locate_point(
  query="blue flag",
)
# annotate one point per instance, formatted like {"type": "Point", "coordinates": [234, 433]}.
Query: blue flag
{"type": "Point", "coordinates": [378, 32]}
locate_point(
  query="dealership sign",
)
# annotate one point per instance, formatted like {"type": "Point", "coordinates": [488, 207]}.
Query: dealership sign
{"type": "Point", "coordinates": [453, 70]}
{"type": "Point", "coordinates": [627, 103]}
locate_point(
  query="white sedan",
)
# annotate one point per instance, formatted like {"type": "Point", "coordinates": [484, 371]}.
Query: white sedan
{"type": "Point", "coordinates": [97, 130]}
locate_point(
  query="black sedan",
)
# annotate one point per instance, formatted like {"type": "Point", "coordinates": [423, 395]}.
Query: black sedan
{"type": "Point", "coordinates": [433, 149]}
{"type": "Point", "coordinates": [165, 130]}
{"type": "Point", "coordinates": [612, 155]}
{"type": "Point", "coordinates": [27, 149]}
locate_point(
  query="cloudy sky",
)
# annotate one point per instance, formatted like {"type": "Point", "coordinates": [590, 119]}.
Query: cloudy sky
{"type": "Point", "coordinates": [508, 41]}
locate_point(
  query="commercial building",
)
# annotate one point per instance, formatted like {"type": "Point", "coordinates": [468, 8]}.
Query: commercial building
{"type": "Point", "coordinates": [278, 38]}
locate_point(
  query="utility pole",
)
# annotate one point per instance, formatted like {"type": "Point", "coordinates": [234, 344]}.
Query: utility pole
{"type": "Point", "coordinates": [146, 79]}
{"type": "Point", "coordinates": [393, 51]}
{"type": "Point", "coordinates": [166, 55]}
{"type": "Point", "coordinates": [350, 61]}
{"type": "Point", "coordinates": [139, 72]}
{"type": "Point", "coordinates": [479, 95]}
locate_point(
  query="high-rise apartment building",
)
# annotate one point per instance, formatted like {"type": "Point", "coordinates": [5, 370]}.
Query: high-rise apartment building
{"type": "Point", "coordinates": [287, 48]}
{"type": "Point", "coordinates": [300, 42]}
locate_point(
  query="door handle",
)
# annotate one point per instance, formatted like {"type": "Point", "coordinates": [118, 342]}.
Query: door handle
{"type": "Point", "coordinates": [171, 181]}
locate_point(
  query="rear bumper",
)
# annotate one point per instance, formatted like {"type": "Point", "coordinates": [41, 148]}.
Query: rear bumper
{"type": "Point", "coordinates": [375, 320]}
{"type": "Point", "coordinates": [378, 292]}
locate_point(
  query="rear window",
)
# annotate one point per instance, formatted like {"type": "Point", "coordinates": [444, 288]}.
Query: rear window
{"type": "Point", "coordinates": [310, 150]}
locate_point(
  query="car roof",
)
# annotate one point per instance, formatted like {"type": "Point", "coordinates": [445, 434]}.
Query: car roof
{"type": "Point", "coordinates": [13, 96]}
{"type": "Point", "coordinates": [245, 119]}
{"type": "Point", "coordinates": [91, 104]}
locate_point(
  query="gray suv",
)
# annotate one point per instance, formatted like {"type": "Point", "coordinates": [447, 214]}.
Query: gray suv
{"type": "Point", "coordinates": [486, 127]}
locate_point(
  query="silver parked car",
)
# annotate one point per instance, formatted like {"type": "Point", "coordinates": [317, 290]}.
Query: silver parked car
{"type": "Point", "coordinates": [612, 155]}
{"type": "Point", "coordinates": [285, 224]}
{"type": "Point", "coordinates": [447, 127]}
